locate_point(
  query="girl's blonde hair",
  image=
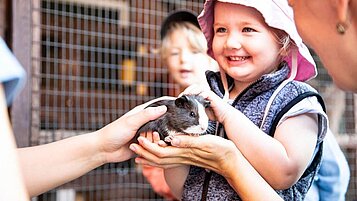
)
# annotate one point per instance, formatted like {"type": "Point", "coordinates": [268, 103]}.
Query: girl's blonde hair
{"type": "Point", "coordinates": [193, 34]}
{"type": "Point", "coordinates": [285, 41]}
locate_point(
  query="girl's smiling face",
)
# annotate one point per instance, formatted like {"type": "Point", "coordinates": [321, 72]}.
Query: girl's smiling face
{"type": "Point", "coordinates": [244, 46]}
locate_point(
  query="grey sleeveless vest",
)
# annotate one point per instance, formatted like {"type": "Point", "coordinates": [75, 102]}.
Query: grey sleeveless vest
{"type": "Point", "coordinates": [203, 185]}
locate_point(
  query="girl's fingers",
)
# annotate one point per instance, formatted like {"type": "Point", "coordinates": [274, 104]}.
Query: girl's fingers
{"type": "Point", "coordinates": [149, 136]}
{"type": "Point", "coordinates": [159, 151]}
{"type": "Point", "coordinates": [142, 152]}
{"type": "Point", "coordinates": [157, 140]}
{"type": "Point", "coordinates": [147, 158]}
{"type": "Point", "coordinates": [156, 137]}
{"type": "Point", "coordinates": [200, 151]}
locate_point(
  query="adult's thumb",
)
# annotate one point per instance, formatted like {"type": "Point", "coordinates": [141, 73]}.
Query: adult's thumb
{"type": "Point", "coordinates": [147, 114]}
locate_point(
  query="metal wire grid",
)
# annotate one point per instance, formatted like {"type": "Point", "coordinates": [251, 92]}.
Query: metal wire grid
{"type": "Point", "coordinates": [351, 156]}
{"type": "Point", "coordinates": [341, 109]}
{"type": "Point", "coordinates": [93, 61]}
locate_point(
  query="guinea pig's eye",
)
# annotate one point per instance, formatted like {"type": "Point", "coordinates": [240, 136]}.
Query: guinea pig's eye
{"type": "Point", "coordinates": [192, 114]}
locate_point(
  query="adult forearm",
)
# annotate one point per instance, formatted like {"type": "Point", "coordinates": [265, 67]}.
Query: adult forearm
{"type": "Point", "coordinates": [202, 151]}
{"type": "Point", "coordinates": [48, 166]}
{"type": "Point", "coordinates": [12, 185]}
{"type": "Point", "coordinates": [247, 182]}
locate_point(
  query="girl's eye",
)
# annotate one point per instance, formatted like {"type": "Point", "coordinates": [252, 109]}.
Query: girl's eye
{"type": "Point", "coordinates": [247, 29]}
{"type": "Point", "coordinates": [192, 114]}
{"type": "Point", "coordinates": [221, 30]}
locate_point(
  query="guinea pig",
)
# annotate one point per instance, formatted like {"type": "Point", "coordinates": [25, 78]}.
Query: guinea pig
{"type": "Point", "coordinates": [185, 115]}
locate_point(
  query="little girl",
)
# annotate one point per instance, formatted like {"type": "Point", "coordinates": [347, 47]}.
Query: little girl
{"type": "Point", "coordinates": [273, 118]}
{"type": "Point", "coordinates": [183, 52]}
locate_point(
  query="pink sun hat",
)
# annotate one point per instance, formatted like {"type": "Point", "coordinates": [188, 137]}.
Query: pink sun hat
{"type": "Point", "coordinates": [277, 14]}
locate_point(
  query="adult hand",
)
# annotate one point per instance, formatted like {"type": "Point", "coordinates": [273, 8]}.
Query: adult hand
{"type": "Point", "coordinates": [144, 105]}
{"type": "Point", "coordinates": [77, 155]}
{"type": "Point", "coordinates": [210, 152]}
{"type": "Point", "coordinates": [207, 151]}
{"type": "Point", "coordinates": [113, 140]}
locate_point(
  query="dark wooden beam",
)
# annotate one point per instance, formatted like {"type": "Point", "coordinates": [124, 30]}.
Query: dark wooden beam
{"type": "Point", "coordinates": [2, 18]}
{"type": "Point", "coordinates": [21, 46]}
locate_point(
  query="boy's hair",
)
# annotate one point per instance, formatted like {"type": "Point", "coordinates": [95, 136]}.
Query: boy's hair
{"type": "Point", "coordinates": [193, 34]}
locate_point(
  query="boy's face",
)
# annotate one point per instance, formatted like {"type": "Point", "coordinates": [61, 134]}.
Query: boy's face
{"type": "Point", "coordinates": [243, 44]}
{"type": "Point", "coordinates": [186, 65]}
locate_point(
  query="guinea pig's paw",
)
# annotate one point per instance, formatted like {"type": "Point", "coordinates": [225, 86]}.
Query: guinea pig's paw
{"type": "Point", "coordinates": [195, 134]}
{"type": "Point", "coordinates": [169, 138]}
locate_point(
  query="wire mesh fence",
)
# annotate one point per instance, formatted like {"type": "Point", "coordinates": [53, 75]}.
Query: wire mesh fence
{"type": "Point", "coordinates": [341, 109]}
{"type": "Point", "coordinates": [94, 60]}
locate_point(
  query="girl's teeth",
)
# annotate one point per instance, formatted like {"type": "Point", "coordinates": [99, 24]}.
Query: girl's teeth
{"type": "Point", "coordinates": [238, 58]}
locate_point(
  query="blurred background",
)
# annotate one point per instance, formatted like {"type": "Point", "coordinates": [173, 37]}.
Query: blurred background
{"type": "Point", "coordinates": [90, 61]}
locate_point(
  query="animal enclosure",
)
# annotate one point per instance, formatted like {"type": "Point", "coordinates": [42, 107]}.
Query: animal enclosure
{"type": "Point", "coordinates": [90, 61]}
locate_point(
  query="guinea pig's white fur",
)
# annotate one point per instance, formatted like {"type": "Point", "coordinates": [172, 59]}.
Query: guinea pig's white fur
{"type": "Point", "coordinates": [185, 115]}
{"type": "Point", "coordinates": [203, 121]}
{"type": "Point", "coordinates": [195, 129]}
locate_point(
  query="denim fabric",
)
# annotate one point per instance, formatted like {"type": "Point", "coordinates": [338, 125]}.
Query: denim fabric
{"type": "Point", "coordinates": [332, 179]}
{"type": "Point", "coordinates": [12, 75]}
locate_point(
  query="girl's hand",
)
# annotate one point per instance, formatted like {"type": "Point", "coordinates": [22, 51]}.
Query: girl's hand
{"type": "Point", "coordinates": [218, 110]}
{"type": "Point", "coordinates": [154, 137]}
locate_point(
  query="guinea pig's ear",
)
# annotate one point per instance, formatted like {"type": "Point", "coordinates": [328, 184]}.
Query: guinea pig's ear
{"type": "Point", "coordinates": [181, 101]}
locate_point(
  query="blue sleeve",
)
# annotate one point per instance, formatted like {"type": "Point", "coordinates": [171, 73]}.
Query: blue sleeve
{"type": "Point", "coordinates": [333, 176]}
{"type": "Point", "coordinates": [12, 75]}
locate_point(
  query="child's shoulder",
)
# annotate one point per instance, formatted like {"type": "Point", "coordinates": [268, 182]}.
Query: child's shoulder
{"type": "Point", "coordinates": [293, 92]}
{"type": "Point", "coordinates": [299, 86]}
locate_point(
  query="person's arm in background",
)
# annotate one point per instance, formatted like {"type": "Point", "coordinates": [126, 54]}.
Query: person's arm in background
{"type": "Point", "coordinates": [174, 177]}
{"type": "Point", "coordinates": [48, 166]}
{"type": "Point", "coordinates": [202, 151]}
{"type": "Point", "coordinates": [12, 185]}
{"type": "Point", "coordinates": [332, 179]}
